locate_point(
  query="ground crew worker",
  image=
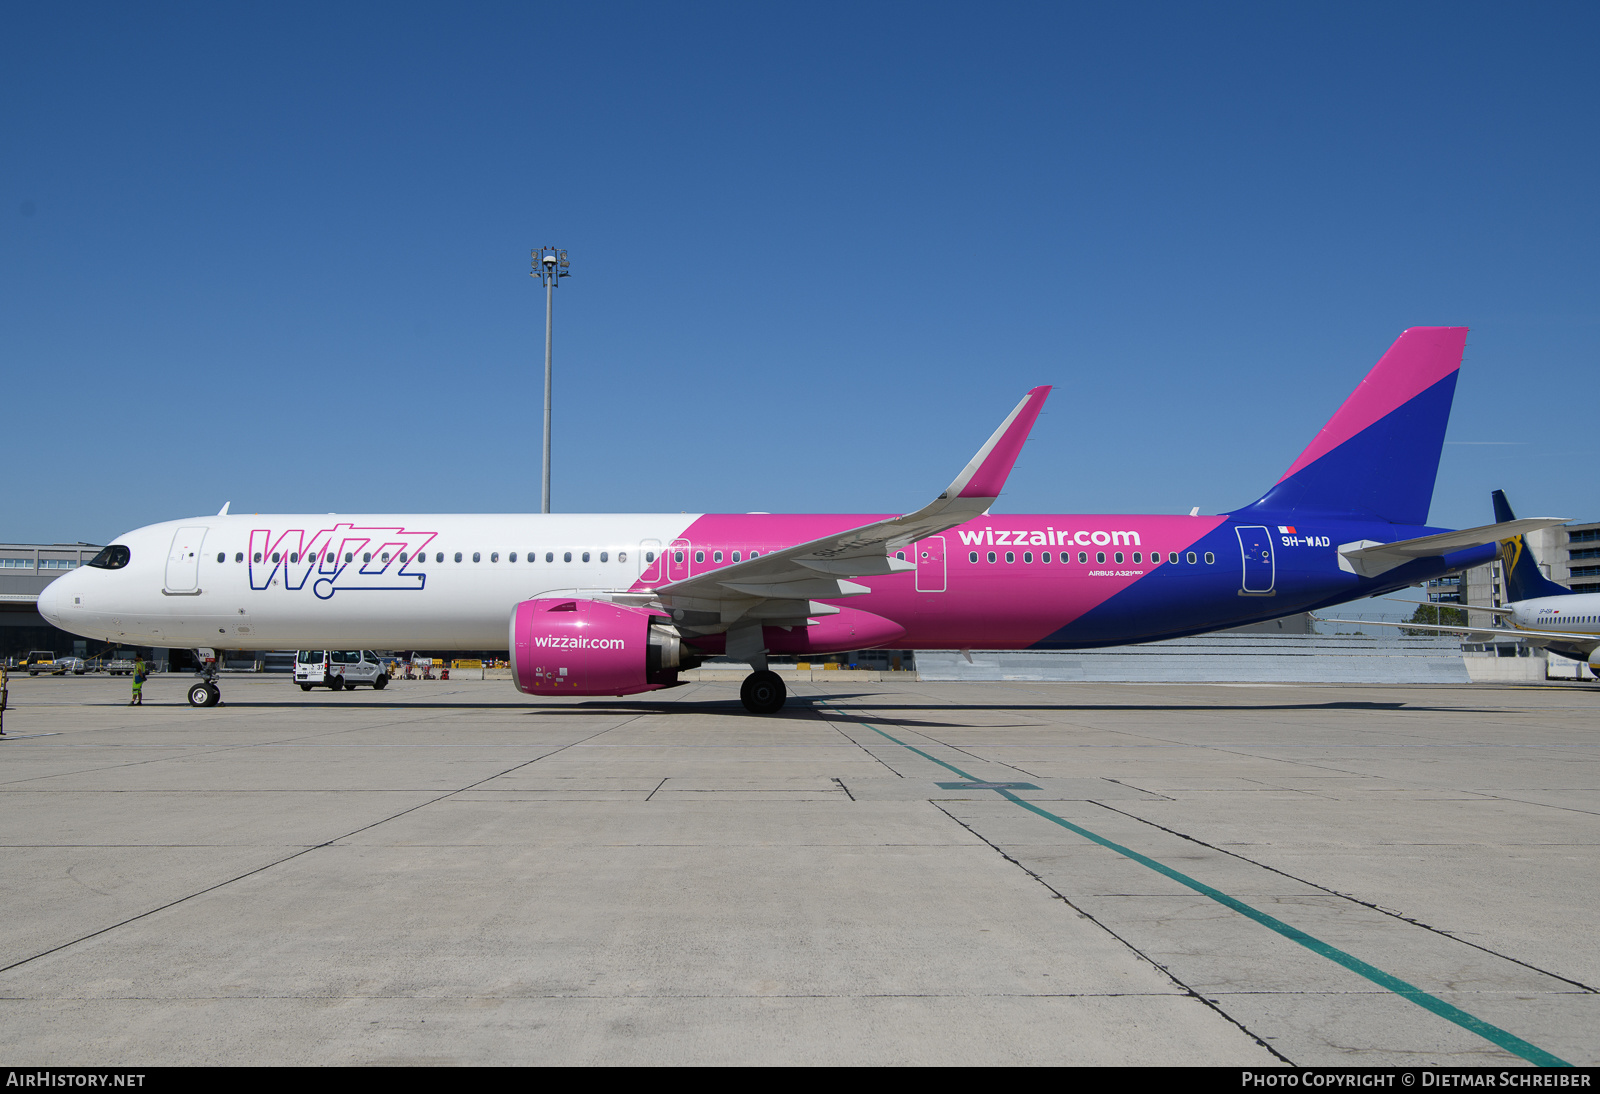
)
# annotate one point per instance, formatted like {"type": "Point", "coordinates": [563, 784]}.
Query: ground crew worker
{"type": "Point", "coordinates": [138, 683]}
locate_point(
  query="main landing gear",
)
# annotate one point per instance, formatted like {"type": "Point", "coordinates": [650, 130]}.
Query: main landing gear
{"type": "Point", "coordinates": [763, 692]}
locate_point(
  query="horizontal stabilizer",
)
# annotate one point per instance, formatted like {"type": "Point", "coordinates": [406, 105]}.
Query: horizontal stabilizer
{"type": "Point", "coordinates": [1370, 559]}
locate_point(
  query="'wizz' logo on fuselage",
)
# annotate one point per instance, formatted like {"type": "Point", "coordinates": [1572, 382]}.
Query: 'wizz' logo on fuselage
{"type": "Point", "coordinates": [341, 557]}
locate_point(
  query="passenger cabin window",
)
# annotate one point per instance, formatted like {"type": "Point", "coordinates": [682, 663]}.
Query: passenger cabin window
{"type": "Point", "coordinates": [1083, 556]}
{"type": "Point", "coordinates": [699, 556]}
{"type": "Point", "coordinates": [586, 556]}
{"type": "Point", "coordinates": [1210, 558]}
{"type": "Point", "coordinates": [512, 557]}
{"type": "Point", "coordinates": [549, 556]}
{"type": "Point", "coordinates": [716, 556]}
{"type": "Point", "coordinates": [1189, 558]}
{"type": "Point", "coordinates": [222, 556]}
{"type": "Point", "coordinates": [972, 556]}
{"type": "Point", "coordinates": [458, 556]}
{"type": "Point", "coordinates": [566, 556]}
{"type": "Point", "coordinates": [1100, 556]}
{"type": "Point", "coordinates": [991, 556]}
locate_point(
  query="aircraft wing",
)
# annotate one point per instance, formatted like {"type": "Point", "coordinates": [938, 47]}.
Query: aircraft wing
{"type": "Point", "coordinates": [1536, 637]}
{"type": "Point", "coordinates": [1369, 558]}
{"type": "Point", "coordinates": [1492, 608]}
{"type": "Point", "coordinates": [780, 588]}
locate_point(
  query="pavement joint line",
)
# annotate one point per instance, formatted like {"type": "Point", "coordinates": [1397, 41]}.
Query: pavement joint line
{"type": "Point", "coordinates": [1163, 970]}
{"type": "Point", "coordinates": [290, 857]}
{"type": "Point", "coordinates": [1503, 1039]}
{"type": "Point", "coordinates": [1584, 988]}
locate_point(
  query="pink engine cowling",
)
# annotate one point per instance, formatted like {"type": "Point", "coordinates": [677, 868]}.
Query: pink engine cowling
{"type": "Point", "coordinates": [572, 646]}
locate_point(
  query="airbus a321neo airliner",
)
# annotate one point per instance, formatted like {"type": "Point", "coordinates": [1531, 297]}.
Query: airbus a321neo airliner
{"type": "Point", "coordinates": [620, 604]}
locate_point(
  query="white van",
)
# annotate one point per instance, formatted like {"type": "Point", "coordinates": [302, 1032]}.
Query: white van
{"type": "Point", "coordinates": [338, 669]}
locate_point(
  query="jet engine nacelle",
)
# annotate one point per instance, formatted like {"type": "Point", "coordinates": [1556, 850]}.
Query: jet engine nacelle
{"type": "Point", "coordinates": [573, 646]}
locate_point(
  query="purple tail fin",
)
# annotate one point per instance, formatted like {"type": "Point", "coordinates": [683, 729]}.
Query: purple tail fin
{"type": "Point", "coordinates": [1378, 455]}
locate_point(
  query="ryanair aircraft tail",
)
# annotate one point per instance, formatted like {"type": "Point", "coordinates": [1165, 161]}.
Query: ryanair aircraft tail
{"type": "Point", "coordinates": [1524, 581]}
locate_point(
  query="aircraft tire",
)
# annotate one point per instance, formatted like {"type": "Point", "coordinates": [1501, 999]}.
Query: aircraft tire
{"type": "Point", "coordinates": [200, 695]}
{"type": "Point", "coordinates": [213, 696]}
{"type": "Point", "coordinates": [763, 692]}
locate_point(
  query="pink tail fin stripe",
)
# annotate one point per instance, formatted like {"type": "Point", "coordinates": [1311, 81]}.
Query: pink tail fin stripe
{"type": "Point", "coordinates": [1419, 358]}
{"type": "Point", "coordinates": [986, 474]}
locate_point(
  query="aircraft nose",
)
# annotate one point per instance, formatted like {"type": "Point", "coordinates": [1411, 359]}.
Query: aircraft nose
{"type": "Point", "coordinates": [50, 602]}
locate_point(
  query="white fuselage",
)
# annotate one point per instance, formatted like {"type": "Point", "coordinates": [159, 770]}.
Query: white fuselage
{"type": "Point", "coordinates": [1575, 614]}
{"type": "Point", "coordinates": [337, 581]}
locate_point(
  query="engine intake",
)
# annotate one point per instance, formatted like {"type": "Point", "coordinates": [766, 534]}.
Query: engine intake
{"type": "Point", "coordinates": [573, 646]}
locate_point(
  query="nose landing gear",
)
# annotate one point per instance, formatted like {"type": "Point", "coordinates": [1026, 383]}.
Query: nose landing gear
{"type": "Point", "coordinates": [204, 692]}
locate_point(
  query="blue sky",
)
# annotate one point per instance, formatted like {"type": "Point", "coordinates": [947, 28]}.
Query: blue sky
{"type": "Point", "coordinates": [276, 254]}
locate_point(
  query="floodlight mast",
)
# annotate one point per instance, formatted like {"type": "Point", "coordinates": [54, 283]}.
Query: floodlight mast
{"type": "Point", "coordinates": [549, 266]}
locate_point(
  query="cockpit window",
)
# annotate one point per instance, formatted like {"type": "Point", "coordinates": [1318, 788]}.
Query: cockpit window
{"type": "Point", "coordinates": [114, 557]}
